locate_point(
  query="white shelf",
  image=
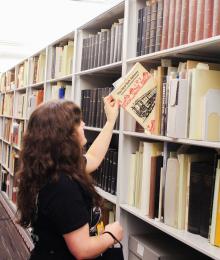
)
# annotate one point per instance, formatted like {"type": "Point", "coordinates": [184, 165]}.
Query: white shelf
{"type": "Point", "coordinates": [145, 136]}
{"type": "Point", "coordinates": [106, 69]}
{"type": "Point", "coordinates": [8, 91]}
{"type": "Point", "coordinates": [97, 129]}
{"type": "Point", "coordinates": [21, 89]}
{"type": "Point", "coordinates": [106, 195]}
{"type": "Point", "coordinates": [67, 78]}
{"type": "Point", "coordinates": [19, 118]}
{"type": "Point", "coordinates": [209, 48]}
{"type": "Point", "coordinates": [7, 116]}
{"type": "Point", "coordinates": [39, 84]}
{"type": "Point", "coordinates": [16, 147]}
{"type": "Point", "coordinates": [5, 141]}
{"type": "Point", "coordinates": [7, 169]}
{"type": "Point", "coordinates": [173, 140]}
{"type": "Point", "coordinates": [195, 241]}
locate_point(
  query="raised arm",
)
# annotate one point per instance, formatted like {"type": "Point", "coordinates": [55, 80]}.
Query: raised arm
{"type": "Point", "coordinates": [99, 147]}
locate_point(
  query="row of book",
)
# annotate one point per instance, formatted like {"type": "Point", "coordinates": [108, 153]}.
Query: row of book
{"type": "Point", "coordinates": [108, 213]}
{"type": "Point", "coordinates": [92, 106]}
{"type": "Point", "coordinates": [5, 182]}
{"type": "Point", "coordinates": [150, 23]}
{"type": "Point", "coordinates": [6, 155]}
{"type": "Point", "coordinates": [6, 129]}
{"type": "Point", "coordinates": [60, 61]}
{"type": "Point", "coordinates": [105, 176]}
{"type": "Point", "coordinates": [7, 82]}
{"type": "Point", "coordinates": [182, 191]}
{"type": "Point", "coordinates": [34, 100]}
{"type": "Point", "coordinates": [6, 105]}
{"type": "Point", "coordinates": [9, 185]}
{"type": "Point", "coordinates": [22, 77]}
{"type": "Point", "coordinates": [177, 101]}
{"type": "Point", "coordinates": [37, 68]}
{"type": "Point", "coordinates": [20, 104]}
{"type": "Point", "coordinates": [104, 47]}
{"type": "Point", "coordinates": [165, 24]}
{"type": "Point", "coordinates": [17, 132]}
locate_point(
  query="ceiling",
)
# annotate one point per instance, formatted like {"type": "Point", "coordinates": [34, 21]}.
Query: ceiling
{"type": "Point", "coordinates": [29, 25]}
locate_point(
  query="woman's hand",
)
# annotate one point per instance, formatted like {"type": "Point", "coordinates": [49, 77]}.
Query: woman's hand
{"type": "Point", "coordinates": [116, 229]}
{"type": "Point", "coordinates": [111, 109]}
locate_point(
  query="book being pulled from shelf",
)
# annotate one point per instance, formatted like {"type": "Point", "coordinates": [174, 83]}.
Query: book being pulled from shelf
{"type": "Point", "coordinates": [136, 93]}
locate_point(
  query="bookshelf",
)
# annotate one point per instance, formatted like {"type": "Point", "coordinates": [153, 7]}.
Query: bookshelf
{"type": "Point", "coordinates": [42, 78]}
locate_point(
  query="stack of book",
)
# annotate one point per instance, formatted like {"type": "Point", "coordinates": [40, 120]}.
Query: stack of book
{"type": "Point", "coordinates": [105, 176]}
{"type": "Point", "coordinates": [103, 48]}
{"type": "Point", "coordinates": [60, 61]}
{"type": "Point", "coordinates": [93, 106]}
{"type": "Point", "coordinates": [165, 24]}
{"type": "Point", "coordinates": [37, 68]}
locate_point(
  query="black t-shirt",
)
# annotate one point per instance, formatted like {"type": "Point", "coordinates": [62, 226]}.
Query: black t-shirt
{"type": "Point", "coordinates": [63, 207]}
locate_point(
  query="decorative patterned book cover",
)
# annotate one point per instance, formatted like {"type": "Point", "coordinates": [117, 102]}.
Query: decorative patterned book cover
{"type": "Point", "coordinates": [136, 93]}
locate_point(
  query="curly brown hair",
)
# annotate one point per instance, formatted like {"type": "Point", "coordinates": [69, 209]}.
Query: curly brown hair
{"type": "Point", "coordinates": [50, 147]}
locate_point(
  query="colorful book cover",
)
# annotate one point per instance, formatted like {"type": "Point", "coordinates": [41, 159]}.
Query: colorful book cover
{"type": "Point", "coordinates": [136, 93]}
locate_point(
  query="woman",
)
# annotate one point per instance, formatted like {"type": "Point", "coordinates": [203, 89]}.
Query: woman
{"type": "Point", "coordinates": [56, 196]}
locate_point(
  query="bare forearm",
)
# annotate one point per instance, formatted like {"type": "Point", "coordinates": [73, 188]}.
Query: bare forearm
{"type": "Point", "coordinates": [96, 245]}
{"type": "Point", "coordinates": [100, 146]}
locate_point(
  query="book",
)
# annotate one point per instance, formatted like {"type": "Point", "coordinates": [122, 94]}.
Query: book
{"type": "Point", "coordinates": [159, 25]}
{"type": "Point", "coordinates": [216, 18]}
{"type": "Point", "coordinates": [171, 191]}
{"type": "Point", "coordinates": [208, 16]}
{"type": "Point", "coordinates": [202, 81]}
{"type": "Point", "coordinates": [166, 12]}
{"type": "Point", "coordinates": [200, 20]}
{"type": "Point", "coordinates": [192, 21]}
{"type": "Point", "coordinates": [136, 93]}
{"type": "Point", "coordinates": [201, 186]}
{"type": "Point", "coordinates": [171, 22]}
{"type": "Point", "coordinates": [184, 22]}
{"type": "Point", "coordinates": [215, 205]}
{"type": "Point", "coordinates": [177, 23]}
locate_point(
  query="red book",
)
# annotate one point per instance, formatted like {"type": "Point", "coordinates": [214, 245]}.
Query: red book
{"type": "Point", "coordinates": [200, 19]}
{"type": "Point", "coordinates": [208, 16]}
{"type": "Point", "coordinates": [177, 22]}
{"type": "Point", "coordinates": [192, 21]}
{"type": "Point", "coordinates": [216, 18]}
{"type": "Point", "coordinates": [184, 22]}
{"type": "Point", "coordinates": [171, 23]}
{"type": "Point", "coordinates": [165, 24]}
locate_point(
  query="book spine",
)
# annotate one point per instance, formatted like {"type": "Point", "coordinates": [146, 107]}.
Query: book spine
{"type": "Point", "coordinates": [120, 36]}
{"type": "Point", "coordinates": [200, 20]}
{"type": "Point", "coordinates": [139, 31]}
{"type": "Point", "coordinates": [171, 22]}
{"type": "Point", "coordinates": [184, 22]}
{"type": "Point", "coordinates": [208, 16]}
{"type": "Point", "coordinates": [153, 27]}
{"type": "Point", "coordinates": [177, 23]}
{"type": "Point", "coordinates": [216, 18]}
{"type": "Point", "coordinates": [159, 25]}
{"type": "Point", "coordinates": [108, 45]}
{"type": "Point", "coordinates": [147, 42]}
{"type": "Point", "coordinates": [99, 50]}
{"type": "Point", "coordinates": [144, 31]}
{"type": "Point", "coordinates": [164, 40]}
{"type": "Point", "coordinates": [192, 21]}
{"type": "Point", "coordinates": [112, 43]}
